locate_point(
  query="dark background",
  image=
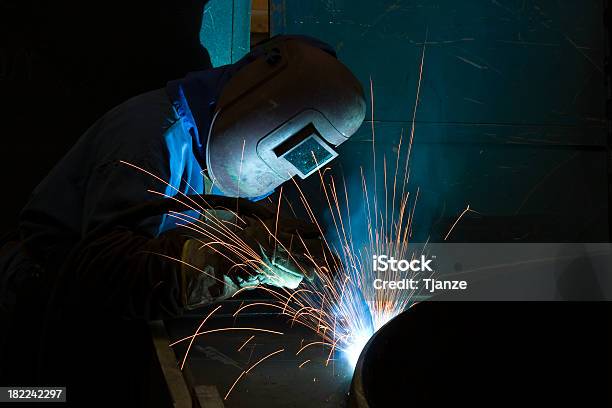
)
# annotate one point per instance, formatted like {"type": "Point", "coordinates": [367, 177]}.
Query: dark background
{"type": "Point", "coordinates": [65, 63]}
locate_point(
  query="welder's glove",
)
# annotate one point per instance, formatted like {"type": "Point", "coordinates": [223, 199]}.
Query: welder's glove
{"type": "Point", "coordinates": [290, 249]}
{"type": "Point", "coordinates": [207, 276]}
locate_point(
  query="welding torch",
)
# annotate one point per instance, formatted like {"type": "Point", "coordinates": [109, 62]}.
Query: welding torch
{"type": "Point", "coordinates": [290, 247]}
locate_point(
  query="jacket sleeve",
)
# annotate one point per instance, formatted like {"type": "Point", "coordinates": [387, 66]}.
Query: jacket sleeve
{"type": "Point", "coordinates": [134, 133]}
{"type": "Point", "coordinates": [126, 274]}
{"type": "Point", "coordinates": [126, 270]}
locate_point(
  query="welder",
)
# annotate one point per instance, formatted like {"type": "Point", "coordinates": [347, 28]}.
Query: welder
{"type": "Point", "coordinates": [239, 130]}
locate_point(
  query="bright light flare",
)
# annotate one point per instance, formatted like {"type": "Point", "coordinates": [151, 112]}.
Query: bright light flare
{"type": "Point", "coordinates": [355, 344]}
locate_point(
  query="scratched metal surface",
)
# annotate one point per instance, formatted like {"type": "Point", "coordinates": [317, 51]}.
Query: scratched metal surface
{"type": "Point", "coordinates": [225, 30]}
{"type": "Point", "coordinates": [277, 382]}
{"type": "Point", "coordinates": [512, 102]}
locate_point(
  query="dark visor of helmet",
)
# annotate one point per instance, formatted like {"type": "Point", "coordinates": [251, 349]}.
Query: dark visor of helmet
{"type": "Point", "coordinates": [308, 153]}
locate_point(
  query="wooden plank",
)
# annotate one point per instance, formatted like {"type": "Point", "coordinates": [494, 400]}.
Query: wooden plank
{"type": "Point", "coordinates": [208, 396]}
{"type": "Point", "coordinates": [177, 387]}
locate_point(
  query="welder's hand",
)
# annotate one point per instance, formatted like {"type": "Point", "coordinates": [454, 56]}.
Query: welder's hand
{"type": "Point", "coordinates": [290, 250]}
{"type": "Point", "coordinates": [287, 252]}
{"type": "Point", "coordinates": [207, 276]}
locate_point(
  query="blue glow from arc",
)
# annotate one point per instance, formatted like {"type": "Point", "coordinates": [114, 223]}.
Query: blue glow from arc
{"type": "Point", "coordinates": [355, 311]}
{"type": "Point", "coordinates": [356, 345]}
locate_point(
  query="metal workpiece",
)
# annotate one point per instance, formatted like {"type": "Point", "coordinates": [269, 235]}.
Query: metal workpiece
{"type": "Point", "coordinates": [176, 390]}
{"type": "Point", "coordinates": [446, 353]}
{"type": "Point", "coordinates": [285, 379]}
{"type": "Point", "coordinates": [225, 30]}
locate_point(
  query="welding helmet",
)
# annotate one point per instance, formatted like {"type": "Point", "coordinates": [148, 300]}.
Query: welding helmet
{"type": "Point", "coordinates": [280, 115]}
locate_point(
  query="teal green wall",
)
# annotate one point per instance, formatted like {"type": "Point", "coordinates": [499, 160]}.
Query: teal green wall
{"type": "Point", "coordinates": [226, 30]}
{"type": "Point", "coordinates": [511, 118]}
